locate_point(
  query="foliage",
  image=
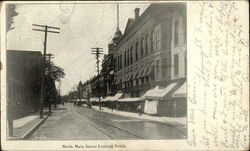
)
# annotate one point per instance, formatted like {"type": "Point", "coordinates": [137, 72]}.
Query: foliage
{"type": "Point", "coordinates": [10, 14]}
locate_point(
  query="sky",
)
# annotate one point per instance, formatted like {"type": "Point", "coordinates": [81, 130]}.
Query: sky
{"type": "Point", "coordinates": [82, 27]}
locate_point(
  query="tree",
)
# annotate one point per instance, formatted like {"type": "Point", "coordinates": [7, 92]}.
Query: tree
{"type": "Point", "coordinates": [10, 14]}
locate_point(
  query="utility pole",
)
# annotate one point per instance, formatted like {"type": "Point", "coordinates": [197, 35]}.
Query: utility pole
{"type": "Point", "coordinates": [97, 52]}
{"type": "Point", "coordinates": [50, 56]}
{"type": "Point", "coordinates": [45, 29]}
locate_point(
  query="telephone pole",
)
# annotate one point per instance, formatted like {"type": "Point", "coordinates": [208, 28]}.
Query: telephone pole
{"type": "Point", "coordinates": [45, 29]}
{"type": "Point", "coordinates": [50, 56]}
{"type": "Point", "coordinates": [97, 52]}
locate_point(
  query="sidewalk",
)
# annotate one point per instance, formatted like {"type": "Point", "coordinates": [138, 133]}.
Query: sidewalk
{"type": "Point", "coordinates": [180, 121]}
{"type": "Point", "coordinates": [23, 127]}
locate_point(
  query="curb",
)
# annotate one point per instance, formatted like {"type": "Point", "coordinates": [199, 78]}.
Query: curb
{"type": "Point", "coordinates": [164, 122]}
{"type": "Point", "coordinates": [34, 128]}
{"type": "Point", "coordinates": [170, 123]}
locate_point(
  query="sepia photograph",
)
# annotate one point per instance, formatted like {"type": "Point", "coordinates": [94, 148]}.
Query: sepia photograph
{"type": "Point", "coordinates": [111, 71]}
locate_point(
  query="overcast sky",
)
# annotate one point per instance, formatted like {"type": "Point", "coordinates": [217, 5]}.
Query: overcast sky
{"type": "Point", "coordinates": [82, 26]}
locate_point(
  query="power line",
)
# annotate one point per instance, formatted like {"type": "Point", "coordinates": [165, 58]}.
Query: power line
{"type": "Point", "coordinates": [45, 29]}
{"type": "Point", "coordinates": [97, 52]}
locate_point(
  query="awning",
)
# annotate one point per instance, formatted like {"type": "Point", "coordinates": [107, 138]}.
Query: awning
{"type": "Point", "coordinates": [128, 100]}
{"type": "Point", "coordinates": [115, 79]}
{"type": "Point", "coordinates": [118, 80]}
{"type": "Point", "coordinates": [140, 73]}
{"type": "Point", "coordinates": [114, 98]}
{"type": "Point", "coordinates": [135, 75]}
{"type": "Point", "coordinates": [93, 99]}
{"type": "Point", "coordinates": [124, 78]}
{"type": "Point", "coordinates": [181, 91]}
{"type": "Point", "coordinates": [145, 73]}
{"type": "Point", "coordinates": [118, 95]}
{"type": "Point", "coordinates": [109, 98]}
{"type": "Point", "coordinates": [159, 93]}
{"type": "Point", "coordinates": [130, 75]}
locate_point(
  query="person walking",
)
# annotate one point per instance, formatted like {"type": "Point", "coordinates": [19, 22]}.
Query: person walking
{"type": "Point", "coordinates": [139, 109]}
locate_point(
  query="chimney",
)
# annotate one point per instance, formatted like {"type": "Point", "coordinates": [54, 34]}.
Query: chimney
{"type": "Point", "coordinates": [137, 13]}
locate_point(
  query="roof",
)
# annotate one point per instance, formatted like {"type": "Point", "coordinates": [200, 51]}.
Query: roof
{"type": "Point", "coordinates": [152, 9]}
{"type": "Point", "coordinates": [129, 24]}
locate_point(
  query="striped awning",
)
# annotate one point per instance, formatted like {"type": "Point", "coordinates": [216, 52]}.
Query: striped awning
{"type": "Point", "coordinates": [124, 78]}
{"type": "Point", "coordinates": [118, 80]}
{"type": "Point", "coordinates": [145, 73]}
{"type": "Point", "coordinates": [135, 74]}
{"type": "Point", "coordinates": [140, 73]}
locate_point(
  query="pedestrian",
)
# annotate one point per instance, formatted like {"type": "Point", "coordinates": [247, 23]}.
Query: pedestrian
{"type": "Point", "coordinates": [139, 109]}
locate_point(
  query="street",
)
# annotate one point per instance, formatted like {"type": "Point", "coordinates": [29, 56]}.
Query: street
{"type": "Point", "coordinates": [80, 123]}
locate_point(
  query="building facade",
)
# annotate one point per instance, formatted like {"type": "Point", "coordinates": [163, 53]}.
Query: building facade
{"type": "Point", "coordinates": [23, 82]}
{"type": "Point", "coordinates": [152, 50]}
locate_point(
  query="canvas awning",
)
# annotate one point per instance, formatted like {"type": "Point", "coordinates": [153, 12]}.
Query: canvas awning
{"type": "Point", "coordinates": [115, 97]}
{"type": "Point", "coordinates": [114, 81]}
{"type": "Point", "coordinates": [135, 74]}
{"type": "Point", "coordinates": [159, 93]}
{"type": "Point", "coordinates": [145, 73]}
{"type": "Point", "coordinates": [140, 73]}
{"type": "Point", "coordinates": [109, 98]}
{"type": "Point", "coordinates": [124, 78]}
{"type": "Point", "coordinates": [181, 91]}
{"type": "Point", "coordinates": [130, 75]}
{"type": "Point", "coordinates": [118, 80]}
{"type": "Point", "coordinates": [128, 100]}
{"type": "Point", "coordinates": [94, 99]}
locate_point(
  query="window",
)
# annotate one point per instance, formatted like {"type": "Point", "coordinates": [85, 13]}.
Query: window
{"type": "Point", "coordinates": [125, 58]}
{"type": "Point", "coordinates": [157, 68]}
{"type": "Point", "coordinates": [164, 67]}
{"type": "Point", "coordinates": [136, 51]}
{"type": "Point", "coordinates": [142, 43]}
{"type": "Point", "coordinates": [176, 32]}
{"type": "Point", "coordinates": [115, 64]}
{"type": "Point", "coordinates": [176, 64]}
{"type": "Point", "coordinates": [156, 39]}
{"type": "Point", "coordinates": [120, 61]}
{"type": "Point", "coordinates": [146, 44]}
{"type": "Point", "coordinates": [131, 55]}
{"type": "Point", "coordinates": [128, 57]}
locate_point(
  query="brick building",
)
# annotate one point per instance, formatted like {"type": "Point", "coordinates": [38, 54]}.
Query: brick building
{"type": "Point", "coordinates": [150, 53]}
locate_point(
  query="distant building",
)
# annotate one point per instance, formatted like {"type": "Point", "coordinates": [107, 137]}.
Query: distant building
{"type": "Point", "coordinates": [151, 53]}
{"type": "Point", "coordinates": [23, 82]}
